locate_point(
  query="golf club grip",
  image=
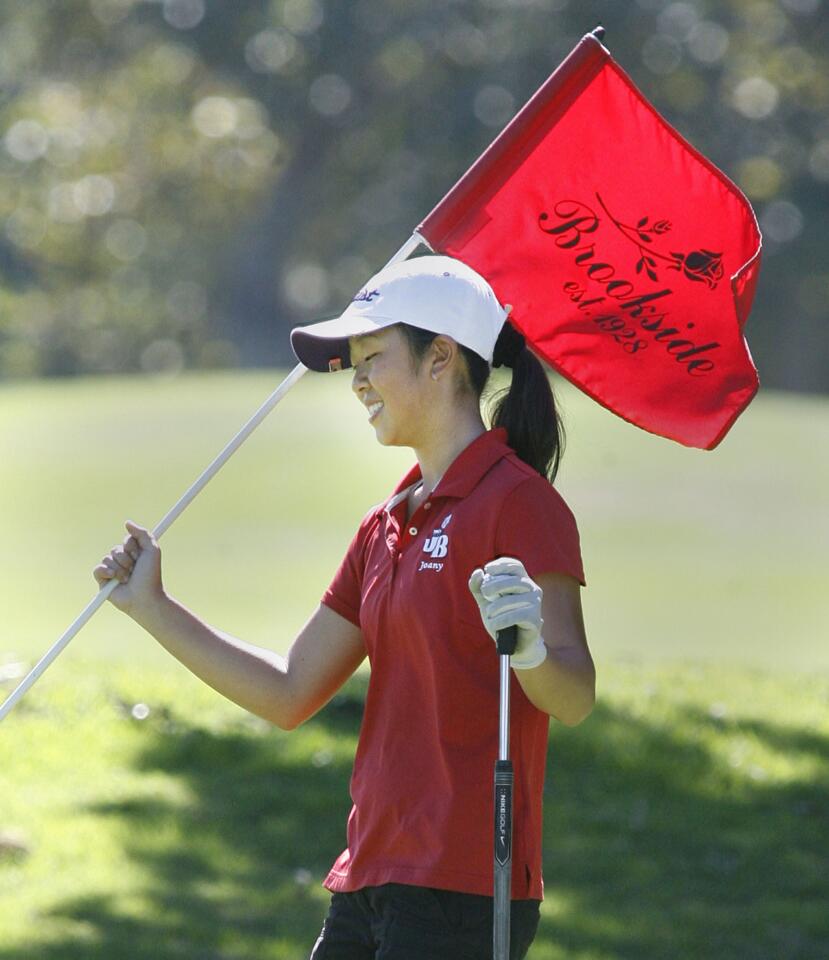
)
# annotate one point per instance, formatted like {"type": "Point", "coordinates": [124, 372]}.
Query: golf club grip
{"type": "Point", "coordinates": [507, 641]}
{"type": "Point", "coordinates": [503, 860]}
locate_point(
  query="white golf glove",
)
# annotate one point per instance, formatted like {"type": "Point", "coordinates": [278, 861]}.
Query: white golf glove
{"type": "Point", "coordinates": [508, 597]}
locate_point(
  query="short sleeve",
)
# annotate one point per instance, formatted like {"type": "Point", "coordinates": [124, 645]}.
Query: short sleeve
{"type": "Point", "coordinates": [344, 593]}
{"type": "Point", "coordinates": [538, 528]}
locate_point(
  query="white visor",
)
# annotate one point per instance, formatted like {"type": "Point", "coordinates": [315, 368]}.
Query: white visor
{"type": "Point", "coordinates": [434, 293]}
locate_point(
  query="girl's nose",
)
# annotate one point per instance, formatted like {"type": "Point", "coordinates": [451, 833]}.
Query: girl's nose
{"type": "Point", "coordinates": [358, 380]}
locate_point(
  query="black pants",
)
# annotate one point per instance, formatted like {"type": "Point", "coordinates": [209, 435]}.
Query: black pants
{"type": "Point", "coordinates": [397, 922]}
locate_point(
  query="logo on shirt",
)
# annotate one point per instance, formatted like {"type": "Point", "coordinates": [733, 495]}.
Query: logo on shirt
{"type": "Point", "coordinates": [437, 546]}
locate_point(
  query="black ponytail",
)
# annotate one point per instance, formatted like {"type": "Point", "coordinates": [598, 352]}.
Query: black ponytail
{"type": "Point", "coordinates": [526, 409]}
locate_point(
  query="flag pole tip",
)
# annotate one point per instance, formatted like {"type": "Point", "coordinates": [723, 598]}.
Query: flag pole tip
{"type": "Point", "coordinates": [599, 32]}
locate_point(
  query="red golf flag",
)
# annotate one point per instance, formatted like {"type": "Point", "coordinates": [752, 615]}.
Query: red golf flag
{"type": "Point", "coordinates": [629, 259]}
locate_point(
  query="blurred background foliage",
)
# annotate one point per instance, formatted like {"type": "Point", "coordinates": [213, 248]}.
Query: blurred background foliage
{"type": "Point", "coordinates": [184, 180]}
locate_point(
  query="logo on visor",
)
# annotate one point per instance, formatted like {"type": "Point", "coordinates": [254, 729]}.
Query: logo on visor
{"type": "Point", "coordinates": [366, 295]}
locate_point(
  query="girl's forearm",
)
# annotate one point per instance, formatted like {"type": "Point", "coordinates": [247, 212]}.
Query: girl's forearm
{"type": "Point", "coordinates": [563, 685]}
{"type": "Point", "coordinates": [254, 678]}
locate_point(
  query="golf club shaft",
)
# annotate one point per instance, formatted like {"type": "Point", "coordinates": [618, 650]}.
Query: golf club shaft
{"type": "Point", "coordinates": [503, 834]}
{"type": "Point", "coordinates": [503, 712]}
{"type": "Point", "coordinates": [503, 860]}
{"type": "Point", "coordinates": [502, 867]}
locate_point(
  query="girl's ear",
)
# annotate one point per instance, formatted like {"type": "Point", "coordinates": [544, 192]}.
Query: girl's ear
{"type": "Point", "coordinates": [443, 353]}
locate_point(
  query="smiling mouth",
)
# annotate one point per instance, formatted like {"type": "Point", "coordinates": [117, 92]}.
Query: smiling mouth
{"type": "Point", "coordinates": [374, 409]}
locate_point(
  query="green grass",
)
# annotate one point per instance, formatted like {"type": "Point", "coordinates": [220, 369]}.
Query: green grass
{"type": "Point", "coordinates": [719, 555]}
{"type": "Point", "coordinates": [686, 818]}
{"type": "Point", "coordinates": [254, 551]}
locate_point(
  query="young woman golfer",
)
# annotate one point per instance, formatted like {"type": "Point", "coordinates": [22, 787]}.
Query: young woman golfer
{"type": "Point", "coordinates": [473, 539]}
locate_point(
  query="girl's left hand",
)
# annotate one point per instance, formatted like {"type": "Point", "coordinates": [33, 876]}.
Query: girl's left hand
{"type": "Point", "coordinates": [507, 597]}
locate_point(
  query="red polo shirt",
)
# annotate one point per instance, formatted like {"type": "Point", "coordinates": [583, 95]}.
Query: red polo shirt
{"type": "Point", "coordinates": [422, 780]}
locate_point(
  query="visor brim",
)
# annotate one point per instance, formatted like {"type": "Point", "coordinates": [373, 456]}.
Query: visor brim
{"type": "Point", "coordinates": [323, 346]}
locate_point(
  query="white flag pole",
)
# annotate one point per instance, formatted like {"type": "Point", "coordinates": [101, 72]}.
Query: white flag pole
{"type": "Point", "coordinates": [52, 653]}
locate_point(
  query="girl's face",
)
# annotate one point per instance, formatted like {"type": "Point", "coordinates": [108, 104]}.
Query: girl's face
{"type": "Point", "coordinates": [386, 382]}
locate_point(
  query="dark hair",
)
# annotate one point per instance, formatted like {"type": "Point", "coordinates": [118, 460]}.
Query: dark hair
{"type": "Point", "coordinates": [526, 409]}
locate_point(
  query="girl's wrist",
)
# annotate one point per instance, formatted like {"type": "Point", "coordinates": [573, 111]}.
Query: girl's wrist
{"type": "Point", "coordinates": [152, 613]}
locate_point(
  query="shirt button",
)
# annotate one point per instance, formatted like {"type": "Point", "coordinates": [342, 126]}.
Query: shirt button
{"type": "Point", "coordinates": [413, 531]}
{"type": "Point", "coordinates": [427, 506]}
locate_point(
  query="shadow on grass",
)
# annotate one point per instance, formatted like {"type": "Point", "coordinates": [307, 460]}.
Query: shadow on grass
{"type": "Point", "coordinates": [659, 844]}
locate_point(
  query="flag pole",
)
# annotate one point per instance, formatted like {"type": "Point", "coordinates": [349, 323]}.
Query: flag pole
{"type": "Point", "coordinates": [166, 522]}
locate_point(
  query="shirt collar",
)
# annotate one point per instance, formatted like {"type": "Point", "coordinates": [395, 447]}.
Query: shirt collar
{"type": "Point", "coordinates": [466, 470]}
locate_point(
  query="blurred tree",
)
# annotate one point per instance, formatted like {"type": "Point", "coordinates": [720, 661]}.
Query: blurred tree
{"type": "Point", "coordinates": [186, 179]}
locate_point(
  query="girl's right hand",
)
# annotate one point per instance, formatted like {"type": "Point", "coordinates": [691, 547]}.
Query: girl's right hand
{"type": "Point", "coordinates": [136, 564]}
